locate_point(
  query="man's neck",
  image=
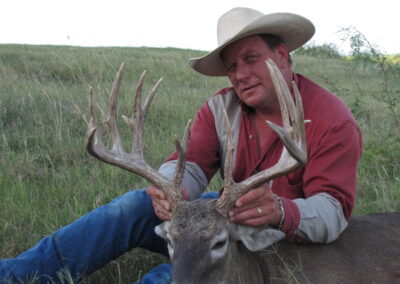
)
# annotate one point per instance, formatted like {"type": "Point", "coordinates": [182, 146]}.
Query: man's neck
{"type": "Point", "coordinates": [262, 130]}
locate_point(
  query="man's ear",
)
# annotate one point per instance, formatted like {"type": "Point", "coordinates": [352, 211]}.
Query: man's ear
{"type": "Point", "coordinates": [283, 56]}
{"type": "Point", "coordinates": [255, 238]}
{"type": "Point", "coordinates": [162, 229]}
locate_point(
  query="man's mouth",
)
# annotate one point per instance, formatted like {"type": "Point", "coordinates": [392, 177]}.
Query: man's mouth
{"type": "Point", "coordinates": [249, 88]}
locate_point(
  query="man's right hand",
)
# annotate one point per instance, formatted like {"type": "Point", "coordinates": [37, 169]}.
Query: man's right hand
{"type": "Point", "coordinates": [161, 205]}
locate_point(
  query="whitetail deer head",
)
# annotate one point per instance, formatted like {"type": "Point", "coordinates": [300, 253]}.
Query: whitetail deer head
{"type": "Point", "coordinates": [204, 246]}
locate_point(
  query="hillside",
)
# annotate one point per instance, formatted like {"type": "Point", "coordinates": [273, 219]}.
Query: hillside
{"type": "Point", "coordinates": [48, 180]}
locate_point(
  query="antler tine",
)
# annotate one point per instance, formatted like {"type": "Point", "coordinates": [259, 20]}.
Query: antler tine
{"type": "Point", "coordinates": [292, 135]}
{"type": "Point", "coordinates": [150, 97]}
{"type": "Point", "coordinates": [227, 199]}
{"type": "Point", "coordinates": [293, 132]}
{"type": "Point", "coordinates": [286, 103]}
{"type": "Point", "coordinates": [112, 111]}
{"type": "Point", "coordinates": [228, 179]}
{"type": "Point", "coordinates": [90, 103]}
{"type": "Point", "coordinates": [300, 129]}
{"type": "Point", "coordinates": [134, 161]}
{"type": "Point", "coordinates": [136, 123]}
{"type": "Point", "coordinates": [174, 195]}
{"type": "Point", "coordinates": [91, 136]}
{"type": "Point", "coordinates": [92, 119]}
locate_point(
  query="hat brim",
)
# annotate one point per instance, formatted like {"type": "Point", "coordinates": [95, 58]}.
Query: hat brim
{"type": "Point", "coordinates": [293, 29]}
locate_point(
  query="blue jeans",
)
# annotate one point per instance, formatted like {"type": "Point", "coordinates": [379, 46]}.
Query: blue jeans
{"type": "Point", "coordinates": [92, 241]}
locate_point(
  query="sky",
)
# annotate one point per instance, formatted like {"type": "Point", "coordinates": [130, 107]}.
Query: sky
{"type": "Point", "coordinates": [184, 24]}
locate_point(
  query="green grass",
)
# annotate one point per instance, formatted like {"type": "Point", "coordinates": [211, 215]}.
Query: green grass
{"type": "Point", "coordinates": [47, 179]}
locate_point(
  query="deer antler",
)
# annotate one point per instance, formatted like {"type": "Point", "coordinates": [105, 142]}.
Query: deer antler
{"type": "Point", "coordinates": [292, 134]}
{"type": "Point", "coordinates": [134, 161]}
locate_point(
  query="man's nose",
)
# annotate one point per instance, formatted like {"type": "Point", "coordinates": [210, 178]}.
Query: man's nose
{"type": "Point", "coordinates": [242, 72]}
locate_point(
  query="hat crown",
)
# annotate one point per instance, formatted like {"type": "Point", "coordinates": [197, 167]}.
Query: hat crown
{"type": "Point", "coordinates": [233, 21]}
{"type": "Point", "coordinates": [294, 30]}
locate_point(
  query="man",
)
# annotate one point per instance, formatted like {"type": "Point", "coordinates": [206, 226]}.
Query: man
{"type": "Point", "coordinates": [325, 188]}
{"type": "Point", "coordinates": [311, 204]}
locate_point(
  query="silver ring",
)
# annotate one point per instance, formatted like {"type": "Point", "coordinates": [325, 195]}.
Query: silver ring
{"type": "Point", "coordinates": [259, 210]}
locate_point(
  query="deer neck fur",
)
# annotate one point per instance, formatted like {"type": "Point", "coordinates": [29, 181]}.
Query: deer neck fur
{"type": "Point", "coordinates": [206, 248]}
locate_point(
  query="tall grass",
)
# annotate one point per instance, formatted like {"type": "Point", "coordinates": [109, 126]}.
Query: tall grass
{"type": "Point", "coordinates": [47, 179]}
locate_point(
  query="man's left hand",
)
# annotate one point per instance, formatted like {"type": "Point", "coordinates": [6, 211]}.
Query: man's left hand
{"type": "Point", "coordinates": [256, 208]}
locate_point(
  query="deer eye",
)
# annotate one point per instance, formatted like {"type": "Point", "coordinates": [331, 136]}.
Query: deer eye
{"type": "Point", "coordinates": [219, 244]}
{"type": "Point", "coordinates": [219, 247]}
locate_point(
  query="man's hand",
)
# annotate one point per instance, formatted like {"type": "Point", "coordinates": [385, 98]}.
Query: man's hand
{"type": "Point", "coordinates": [161, 205]}
{"type": "Point", "coordinates": [256, 208]}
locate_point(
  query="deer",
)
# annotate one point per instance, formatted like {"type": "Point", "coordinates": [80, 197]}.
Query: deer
{"type": "Point", "coordinates": [204, 247]}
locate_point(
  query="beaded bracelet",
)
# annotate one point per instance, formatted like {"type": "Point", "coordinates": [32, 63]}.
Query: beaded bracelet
{"type": "Point", "coordinates": [281, 211]}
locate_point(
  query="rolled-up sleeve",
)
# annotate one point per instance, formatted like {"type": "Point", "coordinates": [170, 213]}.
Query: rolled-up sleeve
{"type": "Point", "coordinates": [329, 186]}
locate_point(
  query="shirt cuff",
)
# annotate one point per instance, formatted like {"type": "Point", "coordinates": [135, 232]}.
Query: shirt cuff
{"type": "Point", "coordinates": [292, 220]}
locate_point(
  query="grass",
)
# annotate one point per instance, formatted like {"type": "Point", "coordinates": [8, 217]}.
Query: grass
{"type": "Point", "coordinates": [47, 179]}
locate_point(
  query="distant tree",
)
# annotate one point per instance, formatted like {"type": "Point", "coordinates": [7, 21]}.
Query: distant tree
{"type": "Point", "coordinates": [363, 51]}
{"type": "Point", "coordinates": [329, 50]}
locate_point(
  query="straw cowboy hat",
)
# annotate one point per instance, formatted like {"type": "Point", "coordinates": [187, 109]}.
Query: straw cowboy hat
{"type": "Point", "coordinates": [238, 23]}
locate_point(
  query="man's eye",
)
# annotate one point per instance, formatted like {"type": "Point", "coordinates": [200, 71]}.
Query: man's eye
{"type": "Point", "coordinates": [251, 58]}
{"type": "Point", "coordinates": [230, 69]}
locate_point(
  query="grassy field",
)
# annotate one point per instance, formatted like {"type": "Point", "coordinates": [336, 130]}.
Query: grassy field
{"type": "Point", "coordinates": [47, 179]}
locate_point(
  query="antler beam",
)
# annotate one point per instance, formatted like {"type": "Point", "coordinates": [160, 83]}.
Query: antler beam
{"type": "Point", "coordinates": [292, 135]}
{"type": "Point", "coordinates": [134, 161]}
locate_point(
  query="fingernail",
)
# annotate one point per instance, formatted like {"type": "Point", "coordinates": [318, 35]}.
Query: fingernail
{"type": "Point", "coordinates": [230, 214]}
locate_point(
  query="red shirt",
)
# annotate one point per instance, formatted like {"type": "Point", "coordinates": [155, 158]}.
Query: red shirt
{"type": "Point", "coordinates": [334, 147]}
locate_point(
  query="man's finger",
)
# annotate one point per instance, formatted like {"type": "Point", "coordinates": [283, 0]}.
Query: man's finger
{"type": "Point", "coordinates": [165, 205]}
{"type": "Point", "coordinates": [155, 192]}
{"type": "Point", "coordinates": [160, 211]}
{"type": "Point", "coordinates": [250, 196]}
{"type": "Point", "coordinates": [161, 204]}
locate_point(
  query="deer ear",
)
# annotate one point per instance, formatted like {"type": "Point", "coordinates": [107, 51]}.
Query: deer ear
{"type": "Point", "coordinates": [163, 229]}
{"type": "Point", "coordinates": [255, 238]}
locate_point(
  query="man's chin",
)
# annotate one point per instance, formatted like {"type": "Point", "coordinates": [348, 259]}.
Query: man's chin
{"type": "Point", "coordinates": [252, 102]}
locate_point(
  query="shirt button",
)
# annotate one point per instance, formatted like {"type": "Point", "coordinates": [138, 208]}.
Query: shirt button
{"type": "Point", "coordinates": [251, 136]}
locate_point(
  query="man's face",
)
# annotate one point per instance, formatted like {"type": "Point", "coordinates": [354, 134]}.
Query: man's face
{"type": "Point", "coordinates": [246, 69]}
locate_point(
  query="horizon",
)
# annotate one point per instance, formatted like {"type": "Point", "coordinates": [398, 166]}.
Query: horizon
{"type": "Point", "coordinates": [182, 24]}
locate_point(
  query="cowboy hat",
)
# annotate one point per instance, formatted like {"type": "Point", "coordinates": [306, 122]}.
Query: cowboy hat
{"type": "Point", "coordinates": [239, 23]}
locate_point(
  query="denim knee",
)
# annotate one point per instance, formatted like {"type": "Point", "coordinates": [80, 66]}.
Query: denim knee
{"type": "Point", "coordinates": [92, 241]}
